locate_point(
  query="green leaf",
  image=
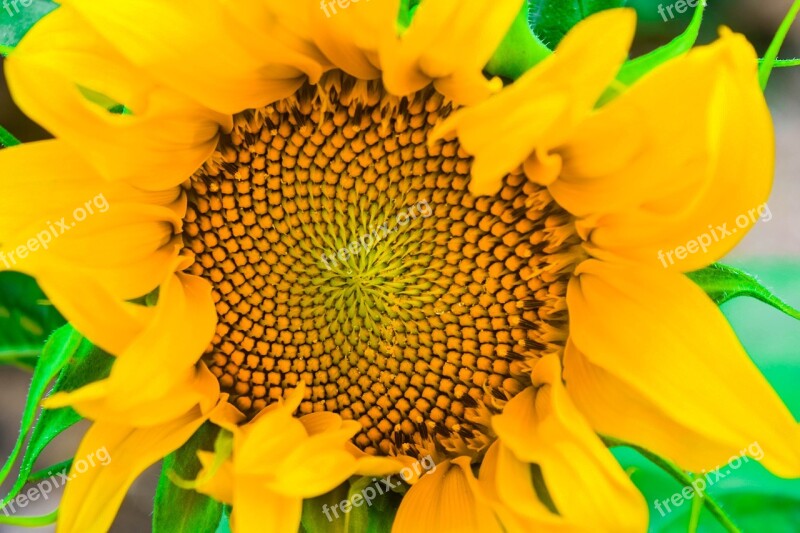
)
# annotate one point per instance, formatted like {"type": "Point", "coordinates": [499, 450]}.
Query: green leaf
{"type": "Point", "coordinates": [318, 515]}
{"type": "Point", "coordinates": [16, 19]}
{"type": "Point", "coordinates": [552, 19]}
{"type": "Point", "coordinates": [30, 521]}
{"type": "Point", "coordinates": [722, 283]}
{"type": "Point", "coordinates": [636, 68]}
{"type": "Point", "coordinates": [179, 510]}
{"type": "Point", "coordinates": [62, 345]}
{"type": "Point", "coordinates": [7, 140]}
{"type": "Point", "coordinates": [782, 63]}
{"type": "Point", "coordinates": [767, 64]}
{"type": "Point", "coordinates": [77, 363]}
{"type": "Point", "coordinates": [26, 320]}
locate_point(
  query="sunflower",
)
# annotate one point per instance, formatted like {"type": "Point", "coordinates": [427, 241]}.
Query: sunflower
{"type": "Point", "coordinates": [361, 254]}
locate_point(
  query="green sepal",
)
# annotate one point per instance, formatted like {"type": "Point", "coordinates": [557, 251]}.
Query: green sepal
{"type": "Point", "coordinates": [723, 283]}
{"type": "Point", "coordinates": [178, 509]}
{"type": "Point", "coordinates": [26, 320]}
{"type": "Point", "coordinates": [14, 24]}
{"type": "Point", "coordinates": [636, 68]}
{"type": "Point", "coordinates": [550, 20]}
{"type": "Point", "coordinates": [406, 13]}
{"type": "Point", "coordinates": [520, 50]}
{"type": "Point", "coordinates": [76, 362]}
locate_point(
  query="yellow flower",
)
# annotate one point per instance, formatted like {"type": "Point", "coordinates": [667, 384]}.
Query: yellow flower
{"type": "Point", "coordinates": [329, 204]}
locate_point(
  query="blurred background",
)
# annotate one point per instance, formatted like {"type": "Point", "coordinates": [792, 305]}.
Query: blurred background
{"type": "Point", "coordinates": [771, 250]}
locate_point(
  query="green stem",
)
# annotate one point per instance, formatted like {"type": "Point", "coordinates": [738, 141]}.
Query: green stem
{"type": "Point", "coordinates": [681, 477]}
{"type": "Point", "coordinates": [765, 69]}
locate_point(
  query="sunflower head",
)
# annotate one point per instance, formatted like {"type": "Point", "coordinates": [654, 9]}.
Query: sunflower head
{"type": "Point", "coordinates": [337, 246]}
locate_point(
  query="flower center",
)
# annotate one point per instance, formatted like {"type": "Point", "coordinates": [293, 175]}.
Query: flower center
{"type": "Point", "coordinates": [347, 253]}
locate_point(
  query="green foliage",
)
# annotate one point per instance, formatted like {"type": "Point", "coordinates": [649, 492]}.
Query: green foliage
{"type": "Point", "coordinates": [76, 363]}
{"type": "Point", "coordinates": [520, 50]}
{"type": "Point", "coordinates": [723, 283]}
{"type": "Point", "coordinates": [768, 63]}
{"type": "Point", "coordinates": [752, 497]}
{"type": "Point", "coordinates": [178, 509]}
{"type": "Point", "coordinates": [7, 140]}
{"type": "Point", "coordinates": [638, 67]}
{"type": "Point", "coordinates": [15, 21]}
{"type": "Point", "coordinates": [375, 516]}
{"type": "Point", "coordinates": [552, 19]}
{"type": "Point", "coordinates": [26, 320]}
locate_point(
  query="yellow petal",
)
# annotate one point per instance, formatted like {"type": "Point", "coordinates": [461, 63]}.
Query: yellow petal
{"type": "Point", "coordinates": [507, 483]}
{"type": "Point", "coordinates": [445, 500]}
{"type": "Point", "coordinates": [655, 363]}
{"type": "Point", "coordinates": [59, 215]}
{"type": "Point", "coordinates": [447, 39]}
{"type": "Point", "coordinates": [92, 497]}
{"type": "Point", "coordinates": [168, 349]}
{"type": "Point", "coordinates": [158, 147]}
{"type": "Point", "coordinates": [316, 465]}
{"type": "Point", "coordinates": [220, 485]}
{"type": "Point", "coordinates": [541, 425]}
{"type": "Point", "coordinates": [539, 110]}
{"type": "Point", "coordinates": [203, 49]}
{"type": "Point", "coordinates": [689, 171]}
{"type": "Point", "coordinates": [350, 36]}
{"type": "Point", "coordinates": [92, 401]}
{"type": "Point", "coordinates": [256, 510]}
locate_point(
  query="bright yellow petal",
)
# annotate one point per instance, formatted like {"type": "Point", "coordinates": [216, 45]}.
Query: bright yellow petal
{"type": "Point", "coordinates": [92, 401]}
{"type": "Point", "coordinates": [508, 483]}
{"type": "Point", "coordinates": [256, 510]}
{"type": "Point", "coordinates": [202, 48]}
{"type": "Point", "coordinates": [445, 500]}
{"type": "Point", "coordinates": [106, 321]}
{"type": "Point", "coordinates": [447, 40]}
{"type": "Point", "coordinates": [542, 426]}
{"type": "Point", "coordinates": [349, 37]}
{"type": "Point", "coordinates": [220, 485]}
{"type": "Point", "coordinates": [157, 147]}
{"type": "Point", "coordinates": [662, 176]}
{"type": "Point", "coordinates": [92, 497]}
{"type": "Point", "coordinates": [655, 363]}
{"type": "Point", "coordinates": [538, 111]}
{"type": "Point", "coordinates": [168, 349]}
{"type": "Point", "coordinates": [59, 215]}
